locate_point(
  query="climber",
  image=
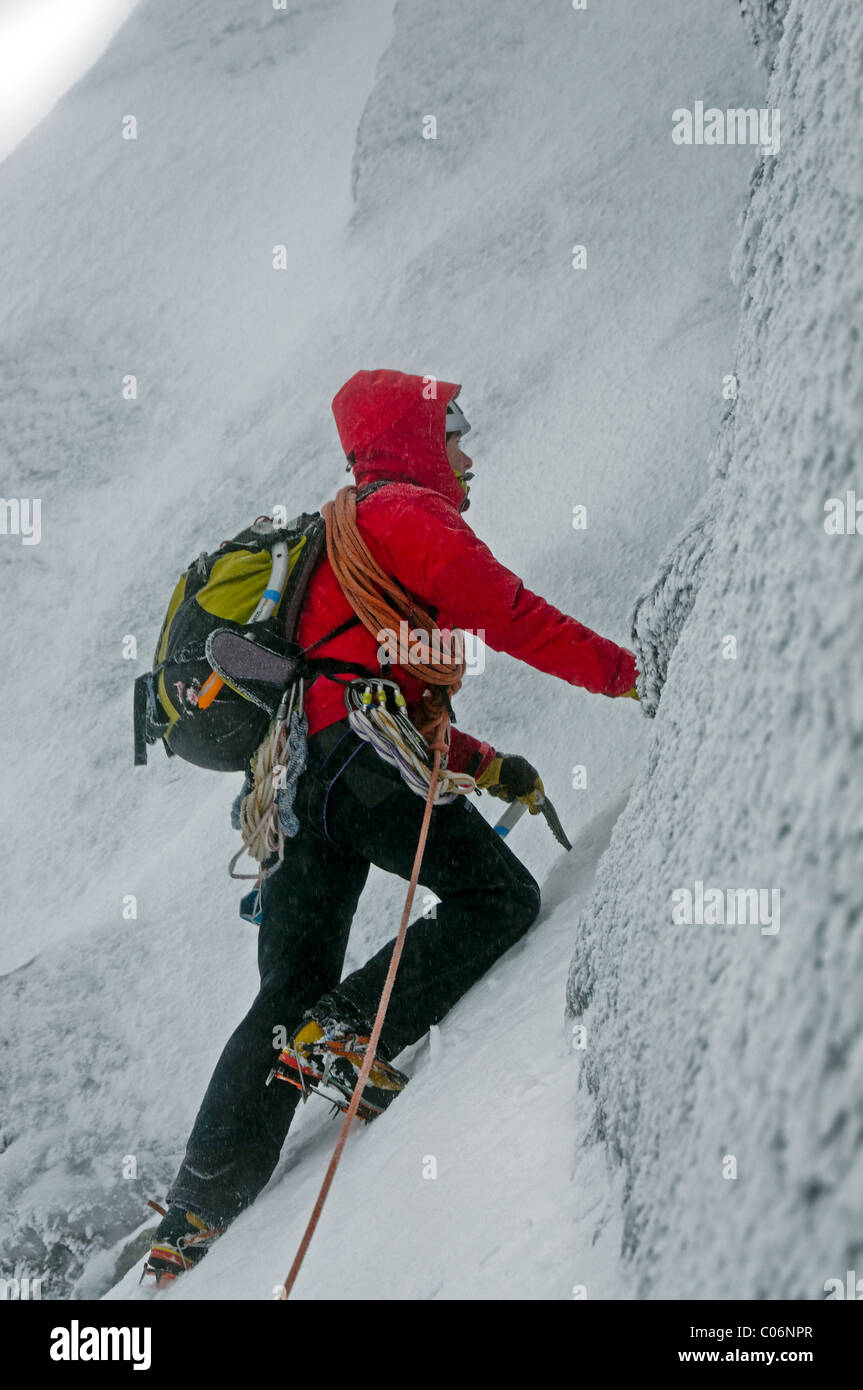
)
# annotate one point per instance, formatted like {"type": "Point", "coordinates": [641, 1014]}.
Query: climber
{"type": "Point", "coordinates": [355, 810]}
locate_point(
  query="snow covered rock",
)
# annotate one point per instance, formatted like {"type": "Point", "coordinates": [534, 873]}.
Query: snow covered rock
{"type": "Point", "coordinates": [726, 1053]}
{"type": "Point", "coordinates": [764, 20]}
{"type": "Point", "coordinates": [661, 613]}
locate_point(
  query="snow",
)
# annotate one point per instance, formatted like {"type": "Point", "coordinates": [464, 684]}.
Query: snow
{"type": "Point", "coordinates": [493, 1184]}
{"type": "Point", "coordinates": [46, 46]}
{"type": "Point", "coordinates": [764, 20]}
{"type": "Point", "coordinates": [602, 387]}
{"type": "Point", "coordinates": [716, 1041]}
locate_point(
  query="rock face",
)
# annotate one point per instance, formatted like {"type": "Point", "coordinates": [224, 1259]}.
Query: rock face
{"type": "Point", "coordinates": [764, 20]}
{"type": "Point", "coordinates": [726, 1056]}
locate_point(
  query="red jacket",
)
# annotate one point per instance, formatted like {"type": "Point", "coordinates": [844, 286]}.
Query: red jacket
{"type": "Point", "coordinates": [417, 535]}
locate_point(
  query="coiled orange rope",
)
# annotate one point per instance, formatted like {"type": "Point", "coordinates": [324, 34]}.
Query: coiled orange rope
{"type": "Point", "coordinates": [381, 605]}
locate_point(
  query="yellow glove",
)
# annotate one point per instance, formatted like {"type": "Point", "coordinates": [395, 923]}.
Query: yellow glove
{"type": "Point", "coordinates": [633, 694]}
{"type": "Point", "coordinates": [512, 778]}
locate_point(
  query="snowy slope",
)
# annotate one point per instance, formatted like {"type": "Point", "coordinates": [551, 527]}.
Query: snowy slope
{"type": "Point", "coordinates": [600, 387]}
{"type": "Point", "coordinates": [46, 46]}
{"type": "Point", "coordinates": [719, 1041]}
{"type": "Point", "coordinates": [512, 1206]}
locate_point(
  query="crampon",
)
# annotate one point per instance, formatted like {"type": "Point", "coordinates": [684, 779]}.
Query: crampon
{"type": "Point", "coordinates": [326, 1062]}
{"type": "Point", "coordinates": [182, 1241]}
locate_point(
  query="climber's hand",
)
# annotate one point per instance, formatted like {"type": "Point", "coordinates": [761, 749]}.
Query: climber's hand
{"type": "Point", "coordinates": [632, 694]}
{"type": "Point", "coordinates": [513, 779]}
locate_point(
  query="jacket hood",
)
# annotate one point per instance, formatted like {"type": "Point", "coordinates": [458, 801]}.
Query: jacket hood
{"type": "Point", "coordinates": [387, 421]}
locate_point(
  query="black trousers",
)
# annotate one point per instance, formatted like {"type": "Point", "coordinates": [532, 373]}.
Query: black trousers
{"type": "Point", "coordinates": [354, 810]}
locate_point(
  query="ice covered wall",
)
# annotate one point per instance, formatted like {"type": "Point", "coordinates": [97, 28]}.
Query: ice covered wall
{"type": "Point", "coordinates": [764, 20]}
{"type": "Point", "coordinates": [727, 1060]}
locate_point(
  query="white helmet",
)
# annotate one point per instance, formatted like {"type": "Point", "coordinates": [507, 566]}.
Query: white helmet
{"type": "Point", "coordinates": [455, 420]}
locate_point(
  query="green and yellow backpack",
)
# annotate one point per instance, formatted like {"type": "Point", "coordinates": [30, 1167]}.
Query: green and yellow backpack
{"type": "Point", "coordinates": [227, 652]}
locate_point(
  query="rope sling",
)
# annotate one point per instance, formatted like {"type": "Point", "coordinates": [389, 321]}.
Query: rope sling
{"type": "Point", "coordinates": [382, 606]}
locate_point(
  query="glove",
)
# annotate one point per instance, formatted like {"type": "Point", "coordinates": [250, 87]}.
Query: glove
{"type": "Point", "coordinates": [513, 779]}
{"type": "Point", "coordinates": [633, 694]}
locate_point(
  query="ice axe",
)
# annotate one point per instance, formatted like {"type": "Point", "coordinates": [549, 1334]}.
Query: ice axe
{"type": "Point", "coordinates": [514, 812]}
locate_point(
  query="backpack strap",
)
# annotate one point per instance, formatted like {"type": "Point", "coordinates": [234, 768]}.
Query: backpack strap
{"type": "Point", "coordinates": [369, 488]}
{"type": "Point", "coordinates": [312, 554]}
{"type": "Point", "coordinates": [149, 722]}
{"type": "Point", "coordinates": [319, 547]}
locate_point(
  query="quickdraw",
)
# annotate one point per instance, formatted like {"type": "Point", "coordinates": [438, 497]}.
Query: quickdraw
{"type": "Point", "coordinates": [377, 712]}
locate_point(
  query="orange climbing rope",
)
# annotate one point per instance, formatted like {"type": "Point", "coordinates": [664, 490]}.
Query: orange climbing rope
{"type": "Point", "coordinates": [380, 604]}
{"type": "Point", "coordinates": [371, 1051]}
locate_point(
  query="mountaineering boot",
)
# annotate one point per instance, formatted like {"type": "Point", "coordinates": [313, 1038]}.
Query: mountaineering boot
{"type": "Point", "coordinates": [325, 1057]}
{"type": "Point", "coordinates": [181, 1241]}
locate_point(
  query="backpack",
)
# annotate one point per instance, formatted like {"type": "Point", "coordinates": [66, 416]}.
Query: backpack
{"type": "Point", "coordinates": [226, 652]}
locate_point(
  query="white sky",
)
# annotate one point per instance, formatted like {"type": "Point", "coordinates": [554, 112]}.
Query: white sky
{"type": "Point", "coordinates": [45, 46]}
